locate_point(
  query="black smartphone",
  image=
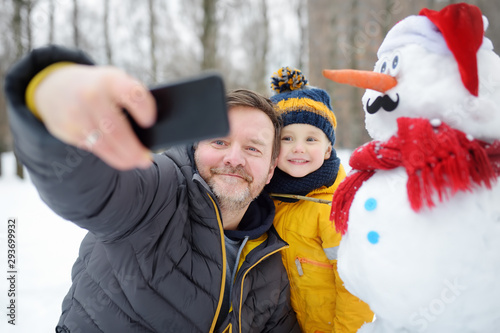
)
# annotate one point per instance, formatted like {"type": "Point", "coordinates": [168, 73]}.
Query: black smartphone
{"type": "Point", "coordinates": [189, 110]}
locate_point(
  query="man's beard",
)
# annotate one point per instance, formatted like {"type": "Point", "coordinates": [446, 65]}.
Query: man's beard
{"type": "Point", "coordinates": [231, 198]}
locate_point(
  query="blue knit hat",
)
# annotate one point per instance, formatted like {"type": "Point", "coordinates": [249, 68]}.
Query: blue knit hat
{"type": "Point", "coordinates": [299, 103]}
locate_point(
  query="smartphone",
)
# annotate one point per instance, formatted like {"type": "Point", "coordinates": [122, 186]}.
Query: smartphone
{"type": "Point", "coordinates": [188, 111]}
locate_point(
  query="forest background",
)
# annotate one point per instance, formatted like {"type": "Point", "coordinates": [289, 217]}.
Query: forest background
{"type": "Point", "coordinates": [160, 41]}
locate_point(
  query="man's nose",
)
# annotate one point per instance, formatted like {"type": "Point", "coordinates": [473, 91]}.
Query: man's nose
{"type": "Point", "coordinates": [234, 156]}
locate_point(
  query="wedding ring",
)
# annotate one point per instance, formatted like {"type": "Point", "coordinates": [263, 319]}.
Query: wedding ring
{"type": "Point", "coordinates": [92, 138]}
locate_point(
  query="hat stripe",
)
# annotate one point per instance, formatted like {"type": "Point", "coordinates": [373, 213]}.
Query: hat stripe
{"type": "Point", "coordinates": [308, 105]}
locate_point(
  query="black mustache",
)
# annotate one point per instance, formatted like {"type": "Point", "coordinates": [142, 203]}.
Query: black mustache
{"type": "Point", "coordinates": [384, 102]}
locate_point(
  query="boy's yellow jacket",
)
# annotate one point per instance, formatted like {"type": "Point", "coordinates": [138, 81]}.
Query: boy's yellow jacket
{"type": "Point", "coordinates": [318, 295]}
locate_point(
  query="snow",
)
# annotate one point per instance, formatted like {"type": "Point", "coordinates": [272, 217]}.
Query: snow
{"type": "Point", "coordinates": [47, 247]}
{"type": "Point", "coordinates": [344, 155]}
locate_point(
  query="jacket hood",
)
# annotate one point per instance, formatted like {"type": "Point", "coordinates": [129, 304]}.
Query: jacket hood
{"type": "Point", "coordinates": [257, 219]}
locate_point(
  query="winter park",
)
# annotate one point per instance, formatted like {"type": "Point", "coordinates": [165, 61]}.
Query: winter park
{"type": "Point", "coordinates": [377, 212]}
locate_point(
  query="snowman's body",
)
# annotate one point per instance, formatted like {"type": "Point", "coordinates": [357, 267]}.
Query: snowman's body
{"type": "Point", "coordinates": [437, 270]}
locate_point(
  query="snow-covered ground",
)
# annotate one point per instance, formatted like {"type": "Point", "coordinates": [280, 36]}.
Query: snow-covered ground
{"type": "Point", "coordinates": [46, 248]}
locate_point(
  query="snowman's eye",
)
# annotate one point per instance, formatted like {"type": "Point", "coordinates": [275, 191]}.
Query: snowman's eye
{"type": "Point", "coordinates": [395, 62]}
{"type": "Point", "coordinates": [383, 69]}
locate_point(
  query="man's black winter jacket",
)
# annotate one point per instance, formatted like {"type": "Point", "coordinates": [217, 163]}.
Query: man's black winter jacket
{"type": "Point", "coordinates": [154, 257]}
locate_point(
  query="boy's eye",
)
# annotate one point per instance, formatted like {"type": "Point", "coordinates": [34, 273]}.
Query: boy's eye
{"type": "Point", "coordinates": [311, 139]}
{"type": "Point", "coordinates": [286, 138]}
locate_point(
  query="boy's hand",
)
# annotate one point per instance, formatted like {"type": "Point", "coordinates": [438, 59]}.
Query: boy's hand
{"type": "Point", "coordinates": [82, 106]}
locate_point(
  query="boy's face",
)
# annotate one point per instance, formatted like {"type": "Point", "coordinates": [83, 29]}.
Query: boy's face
{"type": "Point", "coordinates": [304, 148]}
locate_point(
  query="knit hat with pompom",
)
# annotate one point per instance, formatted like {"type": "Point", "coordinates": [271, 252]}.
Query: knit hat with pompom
{"type": "Point", "coordinates": [299, 103]}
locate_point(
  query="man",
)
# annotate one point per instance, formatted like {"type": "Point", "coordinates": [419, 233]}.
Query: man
{"type": "Point", "coordinates": [177, 242]}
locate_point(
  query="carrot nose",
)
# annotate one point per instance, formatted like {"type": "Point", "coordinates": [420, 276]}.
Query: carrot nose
{"type": "Point", "coordinates": [362, 79]}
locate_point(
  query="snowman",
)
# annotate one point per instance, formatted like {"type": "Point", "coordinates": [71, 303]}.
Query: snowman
{"type": "Point", "coordinates": [420, 210]}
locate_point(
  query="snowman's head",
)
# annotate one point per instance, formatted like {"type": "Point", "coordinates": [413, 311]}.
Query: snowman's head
{"type": "Point", "coordinates": [436, 76]}
{"type": "Point", "coordinates": [429, 83]}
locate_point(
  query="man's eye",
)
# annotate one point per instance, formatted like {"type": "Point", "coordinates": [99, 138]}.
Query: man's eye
{"type": "Point", "coordinates": [218, 142]}
{"type": "Point", "coordinates": [253, 149]}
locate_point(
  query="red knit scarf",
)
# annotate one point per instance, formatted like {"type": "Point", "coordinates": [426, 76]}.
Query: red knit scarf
{"type": "Point", "coordinates": [437, 159]}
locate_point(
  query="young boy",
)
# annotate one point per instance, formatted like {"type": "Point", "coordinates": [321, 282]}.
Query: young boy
{"type": "Point", "coordinates": [308, 166]}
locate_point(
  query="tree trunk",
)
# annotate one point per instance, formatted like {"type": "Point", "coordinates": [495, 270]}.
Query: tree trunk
{"type": "Point", "coordinates": [209, 35]}
{"type": "Point", "coordinates": [491, 10]}
{"type": "Point", "coordinates": [4, 128]}
{"type": "Point", "coordinates": [304, 34]}
{"type": "Point", "coordinates": [152, 38]}
{"type": "Point", "coordinates": [262, 77]}
{"type": "Point", "coordinates": [76, 30]}
{"type": "Point", "coordinates": [331, 48]}
{"type": "Point", "coordinates": [29, 34]}
{"type": "Point", "coordinates": [17, 25]}
{"type": "Point", "coordinates": [356, 115]}
{"type": "Point", "coordinates": [51, 21]}
{"type": "Point", "coordinates": [107, 42]}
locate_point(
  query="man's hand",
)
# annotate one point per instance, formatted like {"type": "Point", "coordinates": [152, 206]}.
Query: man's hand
{"type": "Point", "coordinates": [82, 106]}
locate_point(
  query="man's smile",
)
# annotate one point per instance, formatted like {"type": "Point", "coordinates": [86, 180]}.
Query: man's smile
{"type": "Point", "coordinates": [232, 173]}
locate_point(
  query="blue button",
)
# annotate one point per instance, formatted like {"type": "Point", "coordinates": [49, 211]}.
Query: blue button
{"type": "Point", "coordinates": [373, 237]}
{"type": "Point", "coordinates": [370, 204]}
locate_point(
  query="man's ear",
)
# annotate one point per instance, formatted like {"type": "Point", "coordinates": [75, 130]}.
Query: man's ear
{"type": "Point", "coordinates": [271, 170]}
{"type": "Point", "coordinates": [328, 152]}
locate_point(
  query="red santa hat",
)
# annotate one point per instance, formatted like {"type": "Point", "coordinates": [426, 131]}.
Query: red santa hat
{"type": "Point", "coordinates": [457, 29]}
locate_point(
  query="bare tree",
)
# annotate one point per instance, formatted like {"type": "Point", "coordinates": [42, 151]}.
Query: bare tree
{"type": "Point", "coordinates": [51, 13]}
{"type": "Point", "coordinates": [304, 33]}
{"type": "Point", "coordinates": [332, 48]}
{"type": "Point", "coordinates": [29, 4]}
{"type": "Point", "coordinates": [152, 38]}
{"type": "Point", "coordinates": [107, 42]}
{"type": "Point", "coordinates": [3, 125]}
{"type": "Point", "coordinates": [76, 18]}
{"type": "Point", "coordinates": [245, 35]}
{"type": "Point", "coordinates": [209, 34]}
{"type": "Point", "coordinates": [6, 54]}
{"type": "Point", "coordinates": [491, 9]}
{"type": "Point", "coordinates": [260, 48]}
{"type": "Point", "coordinates": [17, 28]}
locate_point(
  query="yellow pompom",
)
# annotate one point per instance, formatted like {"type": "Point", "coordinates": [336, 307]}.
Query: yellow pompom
{"type": "Point", "coordinates": [287, 79]}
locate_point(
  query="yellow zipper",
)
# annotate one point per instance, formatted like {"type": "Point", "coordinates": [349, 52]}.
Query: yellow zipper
{"type": "Point", "coordinates": [223, 282]}
{"type": "Point", "coordinates": [243, 280]}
